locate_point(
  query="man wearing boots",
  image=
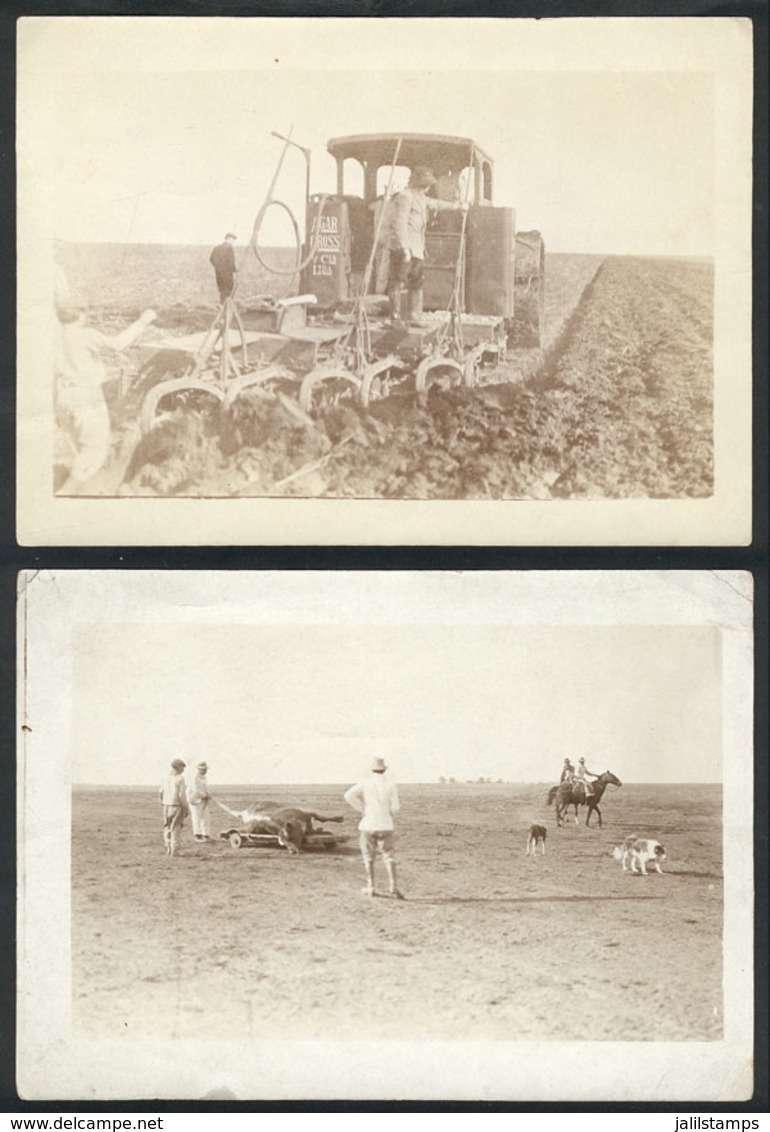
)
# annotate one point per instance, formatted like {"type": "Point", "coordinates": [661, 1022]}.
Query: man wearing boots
{"type": "Point", "coordinates": [377, 799]}
{"type": "Point", "coordinates": [407, 254]}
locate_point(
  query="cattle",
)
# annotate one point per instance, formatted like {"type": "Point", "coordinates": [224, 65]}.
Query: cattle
{"type": "Point", "coordinates": [290, 824]}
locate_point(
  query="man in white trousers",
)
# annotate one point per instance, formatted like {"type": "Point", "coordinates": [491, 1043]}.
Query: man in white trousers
{"type": "Point", "coordinates": [200, 799]}
{"type": "Point", "coordinates": [377, 799]}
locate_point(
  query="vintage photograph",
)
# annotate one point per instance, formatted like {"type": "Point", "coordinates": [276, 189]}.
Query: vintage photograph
{"type": "Point", "coordinates": [487, 277]}
{"type": "Point", "coordinates": [405, 835]}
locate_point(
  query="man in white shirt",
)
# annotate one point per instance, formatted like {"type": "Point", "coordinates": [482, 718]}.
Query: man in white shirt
{"type": "Point", "coordinates": [407, 241]}
{"type": "Point", "coordinates": [581, 777]}
{"type": "Point", "coordinates": [173, 796]}
{"type": "Point", "coordinates": [377, 799]}
{"type": "Point", "coordinates": [199, 803]}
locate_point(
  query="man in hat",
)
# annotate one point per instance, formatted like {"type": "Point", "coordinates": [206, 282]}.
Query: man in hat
{"type": "Point", "coordinates": [567, 773]}
{"type": "Point", "coordinates": [80, 373]}
{"type": "Point", "coordinates": [200, 798]}
{"type": "Point", "coordinates": [222, 260]}
{"type": "Point", "coordinates": [581, 778]}
{"type": "Point", "coordinates": [173, 796]}
{"type": "Point", "coordinates": [407, 246]}
{"type": "Point", "coordinates": [376, 797]}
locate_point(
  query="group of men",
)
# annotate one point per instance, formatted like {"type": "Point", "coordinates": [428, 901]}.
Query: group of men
{"type": "Point", "coordinates": [179, 801]}
{"type": "Point", "coordinates": [375, 798]}
{"type": "Point", "coordinates": [577, 776]}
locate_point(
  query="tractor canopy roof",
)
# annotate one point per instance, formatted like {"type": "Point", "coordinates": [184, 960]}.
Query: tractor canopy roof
{"type": "Point", "coordinates": [439, 152]}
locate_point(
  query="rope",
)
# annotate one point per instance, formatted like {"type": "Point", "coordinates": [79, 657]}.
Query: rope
{"type": "Point", "coordinates": [455, 323]}
{"type": "Point", "coordinates": [359, 318]}
{"type": "Point", "coordinates": [301, 263]}
{"type": "Point", "coordinates": [270, 201]}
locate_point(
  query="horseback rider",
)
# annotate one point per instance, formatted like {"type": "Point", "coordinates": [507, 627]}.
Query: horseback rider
{"type": "Point", "coordinates": [581, 778]}
{"type": "Point", "coordinates": [567, 773]}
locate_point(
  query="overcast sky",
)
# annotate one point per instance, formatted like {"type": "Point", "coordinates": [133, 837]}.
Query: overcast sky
{"type": "Point", "coordinates": [313, 703]}
{"type": "Point", "coordinates": [140, 145]}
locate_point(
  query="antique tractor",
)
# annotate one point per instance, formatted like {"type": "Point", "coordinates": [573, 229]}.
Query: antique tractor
{"type": "Point", "coordinates": [483, 291]}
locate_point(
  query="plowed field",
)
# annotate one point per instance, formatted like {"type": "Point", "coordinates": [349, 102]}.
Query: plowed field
{"type": "Point", "coordinates": [489, 943]}
{"type": "Point", "coordinates": [618, 404]}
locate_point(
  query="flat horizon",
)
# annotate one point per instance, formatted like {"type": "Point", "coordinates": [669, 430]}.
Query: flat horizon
{"type": "Point", "coordinates": [270, 786]}
{"type": "Point", "coordinates": [123, 244]}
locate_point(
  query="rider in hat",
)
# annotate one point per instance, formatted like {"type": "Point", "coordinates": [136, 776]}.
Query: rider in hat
{"type": "Point", "coordinates": [567, 772]}
{"type": "Point", "coordinates": [581, 776]}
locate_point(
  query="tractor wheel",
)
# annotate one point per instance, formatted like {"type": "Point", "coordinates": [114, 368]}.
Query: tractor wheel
{"type": "Point", "coordinates": [444, 372]}
{"type": "Point", "coordinates": [182, 390]}
{"type": "Point", "coordinates": [325, 388]}
{"type": "Point", "coordinates": [235, 839]}
{"type": "Point", "coordinates": [267, 382]}
{"type": "Point", "coordinates": [527, 329]}
{"type": "Point", "coordinates": [375, 383]}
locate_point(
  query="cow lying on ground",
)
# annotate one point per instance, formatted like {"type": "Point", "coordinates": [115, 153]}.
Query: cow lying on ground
{"type": "Point", "coordinates": [289, 824]}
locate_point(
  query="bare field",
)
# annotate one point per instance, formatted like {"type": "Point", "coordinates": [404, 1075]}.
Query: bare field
{"type": "Point", "coordinates": [619, 403]}
{"type": "Point", "coordinates": [489, 944]}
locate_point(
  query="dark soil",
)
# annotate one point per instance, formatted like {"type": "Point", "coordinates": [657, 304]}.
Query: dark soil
{"type": "Point", "coordinates": [618, 405]}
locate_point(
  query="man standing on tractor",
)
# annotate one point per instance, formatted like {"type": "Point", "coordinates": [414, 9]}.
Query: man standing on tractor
{"type": "Point", "coordinates": [377, 799]}
{"type": "Point", "coordinates": [407, 249]}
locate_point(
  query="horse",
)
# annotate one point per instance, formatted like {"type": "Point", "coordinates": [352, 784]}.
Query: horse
{"type": "Point", "coordinates": [573, 794]}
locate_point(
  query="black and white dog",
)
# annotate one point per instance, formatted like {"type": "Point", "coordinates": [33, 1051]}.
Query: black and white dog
{"type": "Point", "coordinates": [535, 837]}
{"type": "Point", "coordinates": [641, 852]}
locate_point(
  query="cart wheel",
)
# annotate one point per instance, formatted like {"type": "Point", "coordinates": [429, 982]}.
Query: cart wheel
{"type": "Point", "coordinates": [235, 840]}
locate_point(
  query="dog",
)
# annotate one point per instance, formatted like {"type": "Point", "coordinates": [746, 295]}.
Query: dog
{"type": "Point", "coordinates": [535, 837]}
{"type": "Point", "coordinates": [640, 851]}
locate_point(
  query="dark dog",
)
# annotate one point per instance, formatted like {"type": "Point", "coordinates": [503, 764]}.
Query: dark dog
{"type": "Point", "coordinates": [535, 837]}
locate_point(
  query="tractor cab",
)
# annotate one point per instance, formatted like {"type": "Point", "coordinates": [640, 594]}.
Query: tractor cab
{"type": "Point", "coordinates": [371, 170]}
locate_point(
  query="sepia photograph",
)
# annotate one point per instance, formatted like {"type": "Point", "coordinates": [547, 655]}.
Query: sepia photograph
{"type": "Point", "coordinates": [383, 288]}
{"type": "Point", "coordinates": [382, 836]}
